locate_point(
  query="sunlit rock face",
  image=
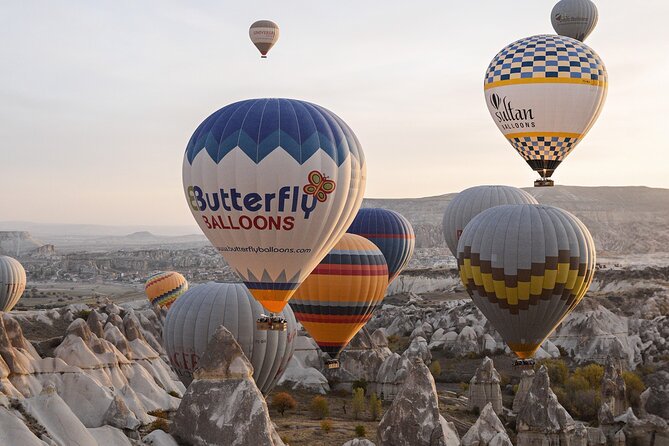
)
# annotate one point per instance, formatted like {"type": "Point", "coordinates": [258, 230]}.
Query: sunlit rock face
{"type": "Point", "coordinates": [484, 387]}
{"type": "Point", "coordinates": [223, 405]}
{"type": "Point", "coordinates": [542, 419]}
{"type": "Point", "coordinates": [487, 431]}
{"type": "Point", "coordinates": [414, 418]}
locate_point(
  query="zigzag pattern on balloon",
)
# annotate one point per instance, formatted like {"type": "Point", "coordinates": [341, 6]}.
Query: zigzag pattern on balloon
{"type": "Point", "coordinates": [258, 127]}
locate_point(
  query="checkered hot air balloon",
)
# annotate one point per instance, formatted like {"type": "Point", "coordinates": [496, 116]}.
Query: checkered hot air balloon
{"type": "Point", "coordinates": [544, 93]}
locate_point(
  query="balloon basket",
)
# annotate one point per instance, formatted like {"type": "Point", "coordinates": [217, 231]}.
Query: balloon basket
{"type": "Point", "coordinates": [271, 323]}
{"type": "Point", "coordinates": [544, 182]}
{"type": "Point", "coordinates": [332, 364]}
{"type": "Point", "coordinates": [524, 363]}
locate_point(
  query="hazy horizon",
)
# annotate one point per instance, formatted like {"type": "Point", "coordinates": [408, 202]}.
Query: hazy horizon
{"type": "Point", "coordinates": [99, 100]}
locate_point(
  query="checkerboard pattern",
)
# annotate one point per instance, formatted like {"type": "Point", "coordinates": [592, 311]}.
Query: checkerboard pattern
{"type": "Point", "coordinates": [546, 57]}
{"type": "Point", "coordinates": [545, 148]}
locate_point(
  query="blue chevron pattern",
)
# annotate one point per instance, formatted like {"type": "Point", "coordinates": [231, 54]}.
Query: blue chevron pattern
{"type": "Point", "coordinates": [260, 126]}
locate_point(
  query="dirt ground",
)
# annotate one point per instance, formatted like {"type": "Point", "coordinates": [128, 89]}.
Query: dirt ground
{"type": "Point", "coordinates": [59, 294]}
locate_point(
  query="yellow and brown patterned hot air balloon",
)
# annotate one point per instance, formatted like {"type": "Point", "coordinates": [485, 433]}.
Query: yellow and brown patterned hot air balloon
{"type": "Point", "coordinates": [164, 288]}
{"type": "Point", "coordinates": [339, 296]}
{"type": "Point", "coordinates": [526, 266]}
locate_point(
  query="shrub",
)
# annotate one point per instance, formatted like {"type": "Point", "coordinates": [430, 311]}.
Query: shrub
{"type": "Point", "coordinates": [158, 423]}
{"type": "Point", "coordinates": [360, 384]}
{"type": "Point", "coordinates": [158, 413]}
{"type": "Point", "coordinates": [282, 402]}
{"type": "Point", "coordinates": [174, 394]}
{"type": "Point", "coordinates": [435, 368]}
{"type": "Point", "coordinates": [634, 386]}
{"type": "Point", "coordinates": [592, 373]}
{"type": "Point", "coordinates": [375, 407]}
{"type": "Point", "coordinates": [358, 404]}
{"type": "Point", "coordinates": [464, 386]}
{"type": "Point", "coordinates": [319, 407]}
{"type": "Point", "coordinates": [360, 431]}
{"type": "Point", "coordinates": [83, 314]}
{"type": "Point", "coordinates": [326, 426]}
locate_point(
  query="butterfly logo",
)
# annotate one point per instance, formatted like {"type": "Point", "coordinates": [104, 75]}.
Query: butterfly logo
{"type": "Point", "coordinates": [319, 186]}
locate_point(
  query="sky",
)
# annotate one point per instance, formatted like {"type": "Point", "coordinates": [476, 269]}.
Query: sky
{"type": "Point", "coordinates": [98, 99]}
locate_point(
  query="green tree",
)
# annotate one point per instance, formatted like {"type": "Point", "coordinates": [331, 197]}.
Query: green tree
{"type": "Point", "coordinates": [634, 386]}
{"type": "Point", "coordinates": [319, 407]}
{"type": "Point", "coordinates": [375, 407]}
{"type": "Point", "coordinates": [360, 431]}
{"type": "Point", "coordinates": [557, 370]}
{"type": "Point", "coordinates": [592, 373]}
{"type": "Point", "coordinates": [435, 368]}
{"type": "Point", "coordinates": [358, 405]}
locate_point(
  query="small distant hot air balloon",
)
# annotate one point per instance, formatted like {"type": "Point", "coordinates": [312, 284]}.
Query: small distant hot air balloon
{"type": "Point", "coordinates": [195, 317]}
{"type": "Point", "coordinates": [339, 296]}
{"type": "Point", "coordinates": [390, 232]}
{"type": "Point", "coordinates": [526, 267]}
{"type": "Point", "coordinates": [470, 202]}
{"type": "Point", "coordinates": [12, 282]}
{"type": "Point", "coordinates": [544, 93]}
{"type": "Point", "coordinates": [163, 288]}
{"type": "Point", "coordinates": [574, 18]}
{"type": "Point", "coordinates": [273, 184]}
{"type": "Point", "coordinates": [264, 34]}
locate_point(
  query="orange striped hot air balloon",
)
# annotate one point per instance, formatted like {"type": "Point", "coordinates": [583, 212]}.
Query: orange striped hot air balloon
{"type": "Point", "coordinates": [164, 288]}
{"type": "Point", "coordinates": [339, 296]}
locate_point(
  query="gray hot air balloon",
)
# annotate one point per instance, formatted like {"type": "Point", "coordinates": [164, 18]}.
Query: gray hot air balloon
{"type": "Point", "coordinates": [197, 314]}
{"type": "Point", "coordinates": [471, 202]}
{"type": "Point", "coordinates": [12, 282]}
{"type": "Point", "coordinates": [526, 267]}
{"type": "Point", "coordinates": [574, 18]}
{"type": "Point", "coordinates": [264, 34]}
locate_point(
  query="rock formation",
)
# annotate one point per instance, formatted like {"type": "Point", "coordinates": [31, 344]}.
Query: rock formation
{"type": "Point", "coordinates": [414, 418]}
{"type": "Point", "coordinates": [223, 406]}
{"type": "Point", "coordinates": [542, 419]}
{"type": "Point", "coordinates": [613, 388]}
{"type": "Point", "coordinates": [484, 387]}
{"type": "Point", "coordinates": [487, 431]}
{"type": "Point", "coordinates": [391, 376]}
{"type": "Point", "coordinates": [360, 360]}
{"type": "Point", "coordinates": [359, 442]}
{"type": "Point", "coordinates": [524, 386]}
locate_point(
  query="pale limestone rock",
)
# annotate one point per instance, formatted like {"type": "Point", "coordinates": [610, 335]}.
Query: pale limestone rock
{"type": "Point", "coordinates": [414, 418]}
{"type": "Point", "coordinates": [223, 406]}
{"type": "Point", "coordinates": [488, 430]}
{"type": "Point", "coordinates": [484, 387]}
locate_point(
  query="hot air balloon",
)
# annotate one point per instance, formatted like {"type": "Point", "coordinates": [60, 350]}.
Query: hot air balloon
{"type": "Point", "coordinates": [264, 34]}
{"type": "Point", "coordinates": [164, 288]}
{"type": "Point", "coordinates": [12, 282]}
{"type": "Point", "coordinates": [574, 18]}
{"type": "Point", "coordinates": [544, 93]}
{"type": "Point", "coordinates": [470, 202]}
{"type": "Point", "coordinates": [339, 296]}
{"type": "Point", "coordinates": [526, 267]}
{"type": "Point", "coordinates": [273, 184]}
{"type": "Point", "coordinates": [195, 317]}
{"type": "Point", "coordinates": [390, 232]}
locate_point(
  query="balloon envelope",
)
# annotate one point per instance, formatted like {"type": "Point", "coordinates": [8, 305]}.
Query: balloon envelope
{"type": "Point", "coordinates": [526, 267]}
{"type": "Point", "coordinates": [339, 296]}
{"type": "Point", "coordinates": [164, 288]}
{"type": "Point", "coordinates": [195, 317]}
{"type": "Point", "coordinates": [12, 282]}
{"type": "Point", "coordinates": [544, 93]}
{"type": "Point", "coordinates": [390, 232]}
{"type": "Point", "coordinates": [574, 18]}
{"type": "Point", "coordinates": [273, 184]}
{"type": "Point", "coordinates": [470, 202]}
{"type": "Point", "coordinates": [264, 34]}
